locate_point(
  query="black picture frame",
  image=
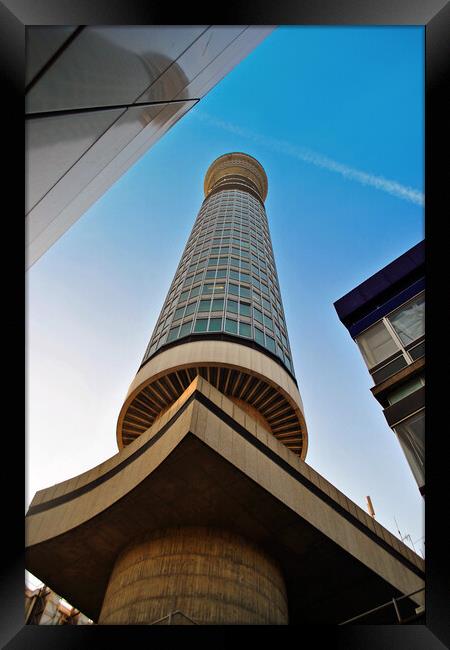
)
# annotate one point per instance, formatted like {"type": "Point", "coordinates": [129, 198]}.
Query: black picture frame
{"type": "Point", "coordinates": [15, 16]}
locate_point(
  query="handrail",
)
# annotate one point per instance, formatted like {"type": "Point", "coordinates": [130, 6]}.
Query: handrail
{"type": "Point", "coordinates": [169, 616]}
{"type": "Point", "coordinates": [393, 602]}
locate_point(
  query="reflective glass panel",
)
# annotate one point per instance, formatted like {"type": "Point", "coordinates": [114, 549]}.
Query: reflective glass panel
{"type": "Point", "coordinates": [411, 433]}
{"type": "Point", "coordinates": [376, 344]}
{"type": "Point", "coordinates": [409, 321]}
{"type": "Point", "coordinates": [231, 326]}
{"type": "Point", "coordinates": [245, 329]}
{"type": "Point", "coordinates": [200, 325]}
{"type": "Point", "coordinates": [215, 325]}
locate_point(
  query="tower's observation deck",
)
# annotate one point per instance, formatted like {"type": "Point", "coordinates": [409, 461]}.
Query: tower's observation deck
{"type": "Point", "coordinates": [223, 317]}
{"type": "Point", "coordinates": [236, 170]}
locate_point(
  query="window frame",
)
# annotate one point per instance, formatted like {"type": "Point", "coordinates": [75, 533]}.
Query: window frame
{"type": "Point", "coordinates": [403, 349]}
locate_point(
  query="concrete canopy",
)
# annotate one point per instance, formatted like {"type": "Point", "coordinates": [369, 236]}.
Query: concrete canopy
{"type": "Point", "coordinates": [206, 462]}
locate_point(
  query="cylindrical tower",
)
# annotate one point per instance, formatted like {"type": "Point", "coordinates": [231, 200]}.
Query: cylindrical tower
{"type": "Point", "coordinates": [197, 521]}
{"type": "Point", "coordinates": [213, 576]}
{"type": "Point", "coordinates": [223, 316]}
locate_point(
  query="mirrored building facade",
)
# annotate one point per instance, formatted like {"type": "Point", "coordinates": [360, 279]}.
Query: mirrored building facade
{"type": "Point", "coordinates": [97, 97]}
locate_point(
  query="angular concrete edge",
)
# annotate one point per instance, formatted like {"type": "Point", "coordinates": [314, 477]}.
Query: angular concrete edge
{"type": "Point", "coordinates": [61, 518]}
{"type": "Point", "coordinates": [66, 505]}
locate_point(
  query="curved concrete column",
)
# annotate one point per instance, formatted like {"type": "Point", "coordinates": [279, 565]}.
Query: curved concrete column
{"type": "Point", "coordinates": [211, 576]}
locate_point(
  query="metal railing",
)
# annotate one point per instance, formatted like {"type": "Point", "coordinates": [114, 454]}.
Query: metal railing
{"type": "Point", "coordinates": [169, 617]}
{"type": "Point", "coordinates": [390, 603]}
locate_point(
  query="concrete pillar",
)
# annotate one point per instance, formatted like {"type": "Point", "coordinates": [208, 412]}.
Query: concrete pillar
{"type": "Point", "coordinates": [212, 576]}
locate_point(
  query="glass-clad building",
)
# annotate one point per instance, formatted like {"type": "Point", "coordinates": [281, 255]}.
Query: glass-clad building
{"type": "Point", "coordinates": [227, 280]}
{"type": "Point", "coordinates": [385, 315]}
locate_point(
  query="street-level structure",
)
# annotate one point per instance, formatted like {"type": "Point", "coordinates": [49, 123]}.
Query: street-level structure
{"type": "Point", "coordinates": [44, 607]}
{"type": "Point", "coordinates": [209, 510]}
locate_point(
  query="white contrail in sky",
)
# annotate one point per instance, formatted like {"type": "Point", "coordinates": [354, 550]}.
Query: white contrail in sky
{"type": "Point", "coordinates": [307, 155]}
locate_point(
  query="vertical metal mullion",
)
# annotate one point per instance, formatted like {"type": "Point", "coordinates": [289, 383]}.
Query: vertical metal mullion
{"type": "Point", "coordinates": [394, 602]}
{"type": "Point", "coordinates": [397, 339]}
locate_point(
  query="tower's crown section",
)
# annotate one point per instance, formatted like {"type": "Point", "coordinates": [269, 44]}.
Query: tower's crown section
{"type": "Point", "coordinates": [233, 168]}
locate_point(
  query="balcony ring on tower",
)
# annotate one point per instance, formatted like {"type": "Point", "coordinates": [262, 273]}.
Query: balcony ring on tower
{"type": "Point", "coordinates": [249, 377]}
{"type": "Point", "coordinates": [236, 170]}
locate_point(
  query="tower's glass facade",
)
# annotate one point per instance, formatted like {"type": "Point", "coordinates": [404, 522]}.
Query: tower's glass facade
{"type": "Point", "coordinates": [223, 318]}
{"type": "Point", "coordinates": [227, 281]}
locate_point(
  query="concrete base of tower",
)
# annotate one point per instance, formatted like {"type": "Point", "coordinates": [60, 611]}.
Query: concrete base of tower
{"type": "Point", "coordinates": [210, 576]}
{"type": "Point", "coordinates": [210, 465]}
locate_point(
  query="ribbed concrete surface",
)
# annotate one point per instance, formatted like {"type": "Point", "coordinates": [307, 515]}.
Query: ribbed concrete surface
{"type": "Point", "coordinates": [213, 576]}
{"type": "Point", "coordinates": [198, 357]}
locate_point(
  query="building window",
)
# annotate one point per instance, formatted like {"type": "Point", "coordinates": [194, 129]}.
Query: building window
{"type": "Point", "coordinates": [173, 334]}
{"type": "Point", "coordinates": [215, 325]}
{"type": "Point", "coordinates": [200, 325]}
{"type": "Point", "coordinates": [190, 308]}
{"type": "Point", "coordinates": [411, 433]}
{"type": "Point", "coordinates": [405, 389]}
{"type": "Point", "coordinates": [257, 315]}
{"type": "Point", "coordinates": [396, 332]}
{"type": "Point", "coordinates": [259, 336]}
{"type": "Point", "coordinates": [232, 306]}
{"type": "Point", "coordinates": [270, 343]}
{"type": "Point", "coordinates": [287, 361]}
{"type": "Point", "coordinates": [409, 320]}
{"type": "Point", "coordinates": [185, 329]}
{"type": "Point", "coordinates": [376, 344]}
{"type": "Point", "coordinates": [183, 296]}
{"type": "Point", "coordinates": [204, 305]}
{"type": "Point", "coordinates": [245, 329]}
{"type": "Point", "coordinates": [230, 326]}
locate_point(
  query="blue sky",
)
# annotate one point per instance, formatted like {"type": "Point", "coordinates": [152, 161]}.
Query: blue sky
{"type": "Point", "coordinates": [335, 116]}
